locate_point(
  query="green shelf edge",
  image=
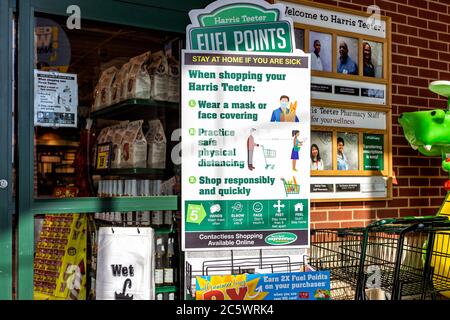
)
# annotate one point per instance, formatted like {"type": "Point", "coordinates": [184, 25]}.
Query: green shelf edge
{"type": "Point", "coordinates": [120, 107]}
{"type": "Point", "coordinates": [165, 289]}
{"type": "Point", "coordinates": [94, 204]}
{"type": "Point", "coordinates": [131, 171]}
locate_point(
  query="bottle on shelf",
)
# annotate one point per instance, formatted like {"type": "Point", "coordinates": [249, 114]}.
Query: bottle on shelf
{"type": "Point", "coordinates": [159, 261]}
{"type": "Point", "coordinates": [169, 266]}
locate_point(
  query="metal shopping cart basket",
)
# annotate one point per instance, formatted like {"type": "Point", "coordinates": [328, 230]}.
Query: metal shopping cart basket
{"type": "Point", "coordinates": [291, 187]}
{"type": "Point", "coordinates": [339, 251]}
{"type": "Point", "coordinates": [269, 154]}
{"type": "Point", "coordinates": [394, 257]}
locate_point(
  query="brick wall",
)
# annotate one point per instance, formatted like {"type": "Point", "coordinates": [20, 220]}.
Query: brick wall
{"type": "Point", "coordinates": [420, 54]}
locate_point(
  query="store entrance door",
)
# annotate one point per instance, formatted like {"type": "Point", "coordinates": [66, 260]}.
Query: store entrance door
{"type": "Point", "coordinates": [6, 183]}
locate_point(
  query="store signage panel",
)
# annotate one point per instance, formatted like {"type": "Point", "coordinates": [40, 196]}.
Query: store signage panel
{"type": "Point", "coordinates": [349, 187]}
{"type": "Point", "coordinates": [348, 91]}
{"type": "Point", "coordinates": [313, 285]}
{"type": "Point", "coordinates": [246, 133]}
{"type": "Point", "coordinates": [347, 118]}
{"type": "Point", "coordinates": [324, 18]}
{"type": "Point", "coordinates": [55, 99]}
{"type": "Point", "coordinates": [255, 26]}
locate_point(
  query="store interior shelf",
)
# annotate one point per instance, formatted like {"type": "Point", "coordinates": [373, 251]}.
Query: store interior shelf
{"type": "Point", "coordinates": [92, 204]}
{"type": "Point", "coordinates": [132, 172]}
{"type": "Point", "coordinates": [165, 289]}
{"type": "Point", "coordinates": [132, 108]}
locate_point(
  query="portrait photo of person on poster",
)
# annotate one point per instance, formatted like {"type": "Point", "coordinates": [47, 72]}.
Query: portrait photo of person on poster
{"type": "Point", "coordinates": [316, 160]}
{"type": "Point", "coordinates": [286, 111]}
{"type": "Point", "coordinates": [347, 55]}
{"type": "Point", "coordinates": [342, 163]}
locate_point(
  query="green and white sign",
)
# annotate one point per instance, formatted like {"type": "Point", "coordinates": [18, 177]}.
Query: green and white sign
{"type": "Point", "coordinates": [255, 26]}
{"type": "Point", "coordinates": [245, 147]}
{"type": "Point", "coordinates": [373, 150]}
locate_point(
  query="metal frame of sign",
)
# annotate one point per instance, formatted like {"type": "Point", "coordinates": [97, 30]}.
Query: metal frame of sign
{"type": "Point", "coordinates": [385, 80]}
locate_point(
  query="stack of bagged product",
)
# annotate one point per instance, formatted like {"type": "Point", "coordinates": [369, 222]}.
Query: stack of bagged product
{"type": "Point", "coordinates": [147, 76]}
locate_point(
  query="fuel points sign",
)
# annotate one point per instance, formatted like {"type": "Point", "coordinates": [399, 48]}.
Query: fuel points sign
{"type": "Point", "coordinates": [240, 26]}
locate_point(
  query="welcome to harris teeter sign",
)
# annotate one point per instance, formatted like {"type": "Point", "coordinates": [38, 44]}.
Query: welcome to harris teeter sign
{"type": "Point", "coordinates": [240, 26]}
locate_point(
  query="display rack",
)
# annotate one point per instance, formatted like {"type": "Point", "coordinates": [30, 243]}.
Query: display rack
{"type": "Point", "coordinates": [133, 172]}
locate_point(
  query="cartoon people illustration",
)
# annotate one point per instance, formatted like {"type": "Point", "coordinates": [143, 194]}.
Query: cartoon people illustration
{"type": "Point", "coordinates": [316, 160]}
{"type": "Point", "coordinates": [250, 148]}
{"type": "Point", "coordinates": [295, 149]}
{"type": "Point", "coordinates": [342, 163]}
{"type": "Point", "coordinates": [286, 111]}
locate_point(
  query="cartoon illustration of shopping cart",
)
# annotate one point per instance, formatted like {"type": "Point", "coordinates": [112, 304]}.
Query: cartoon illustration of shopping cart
{"type": "Point", "coordinates": [269, 154]}
{"type": "Point", "coordinates": [291, 186]}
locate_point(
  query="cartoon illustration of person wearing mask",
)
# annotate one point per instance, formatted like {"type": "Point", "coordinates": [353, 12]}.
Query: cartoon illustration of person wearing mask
{"type": "Point", "coordinates": [286, 112]}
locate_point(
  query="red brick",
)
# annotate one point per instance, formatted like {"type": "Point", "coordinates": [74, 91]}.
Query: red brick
{"type": "Point", "coordinates": [352, 204]}
{"type": "Point", "coordinates": [402, 182]}
{"type": "Point", "coordinates": [410, 11]}
{"type": "Point", "coordinates": [395, 192]}
{"type": "Point", "coordinates": [396, 58]}
{"type": "Point", "coordinates": [408, 171]}
{"type": "Point", "coordinates": [418, 202]}
{"type": "Point", "coordinates": [421, 23]}
{"type": "Point", "coordinates": [329, 2]}
{"type": "Point", "coordinates": [444, 56]}
{"type": "Point", "coordinates": [353, 224]}
{"type": "Point", "coordinates": [426, 73]}
{"type": "Point", "coordinates": [419, 161]}
{"type": "Point", "coordinates": [387, 213]}
{"type": "Point", "coordinates": [418, 3]}
{"type": "Point", "coordinates": [434, 45]}
{"type": "Point", "coordinates": [350, 6]}
{"type": "Point", "coordinates": [429, 54]}
{"type": "Point", "coordinates": [364, 214]}
{"type": "Point", "coordinates": [421, 102]}
{"type": "Point", "coordinates": [375, 204]}
{"type": "Point", "coordinates": [430, 15]}
{"type": "Point", "coordinates": [397, 18]}
{"type": "Point", "coordinates": [435, 161]}
{"type": "Point", "coordinates": [326, 225]}
{"type": "Point", "coordinates": [404, 70]}
{"type": "Point", "coordinates": [318, 216]}
{"type": "Point", "coordinates": [422, 182]}
{"type": "Point", "coordinates": [339, 215]}
{"type": "Point", "coordinates": [419, 82]}
{"type": "Point", "coordinates": [444, 76]}
{"type": "Point", "coordinates": [400, 161]}
{"type": "Point", "coordinates": [438, 182]}
{"type": "Point", "coordinates": [424, 192]}
{"type": "Point", "coordinates": [426, 93]}
{"type": "Point", "coordinates": [419, 62]}
{"type": "Point", "coordinates": [427, 34]}
{"type": "Point", "coordinates": [428, 211]}
{"type": "Point", "coordinates": [396, 203]}
{"type": "Point", "coordinates": [444, 18]}
{"type": "Point", "coordinates": [418, 42]}
{"type": "Point", "coordinates": [441, 27]}
{"type": "Point", "coordinates": [406, 90]}
{"type": "Point", "coordinates": [409, 192]}
{"type": "Point", "coordinates": [399, 99]}
{"type": "Point", "coordinates": [325, 205]}
{"type": "Point", "coordinates": [436, 201]}
{"type": "Point", "coordinates": [430, 172]}
{"type": "Point", "coordinates": [436, 7]}
{"type": "Point", "coordinates": [404, 29]}
{"type": "Point", "coordinates": [445, 37]}
{"type": "Point", "coordinates": [438, 103]}
{"type": "Point", "coordinates": [406, 212]}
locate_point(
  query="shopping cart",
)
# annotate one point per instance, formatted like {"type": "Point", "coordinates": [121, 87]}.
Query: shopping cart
{"type": "Point", "coordinates": [339, 251]}
{"type": "Point", "coordinates": [269, 154]}
{"type": "Point", "coordinates": [398, 257]}
{"type": "Point", "coordinates": [291, 186]}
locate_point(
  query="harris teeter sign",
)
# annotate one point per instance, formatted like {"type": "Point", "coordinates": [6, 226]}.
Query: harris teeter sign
{"type": "Point", "coordinates": [229, 25]}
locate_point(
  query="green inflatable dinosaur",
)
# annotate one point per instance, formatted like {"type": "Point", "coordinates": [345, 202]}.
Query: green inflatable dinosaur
{"type": "Point", "coordinates": [429, 131]}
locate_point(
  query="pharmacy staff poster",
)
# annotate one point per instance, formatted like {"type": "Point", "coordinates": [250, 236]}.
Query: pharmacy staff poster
{"type": "Point", "coordinates": [245, 150]}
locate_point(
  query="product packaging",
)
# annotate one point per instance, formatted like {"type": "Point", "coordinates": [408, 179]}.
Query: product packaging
{"type": "Point", "coordinates": [173, 94]}
{"type": "Point", "coordinates": [102, 93]}
{"type": "Point", "coordinates": [138, 84]}
{"type": "Point", "coordinates": [158, 74]}
{"type": "Point", "coordinates": [119, 92]}
{"type": "Point", "coordinates": [157, 143]}
{"type": "Point", "coordinates": [134, 146]}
